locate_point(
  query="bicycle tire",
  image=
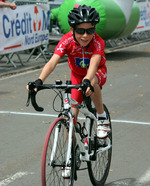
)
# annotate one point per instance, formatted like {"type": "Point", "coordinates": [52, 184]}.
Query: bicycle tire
{"type": "Point", "coordinates": [98, 170]}
{"type": "Point", "coordinates": [52, 175]}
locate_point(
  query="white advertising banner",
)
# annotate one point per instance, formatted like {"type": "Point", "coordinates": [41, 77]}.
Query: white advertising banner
{"type": "Point", "coordinates": [144, 22]}
{"type": "Point", "coordinates": [24, 28]}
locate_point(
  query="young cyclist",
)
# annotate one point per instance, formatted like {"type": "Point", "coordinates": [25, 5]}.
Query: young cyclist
{"type": "Point", "coordinates": [86, 58]}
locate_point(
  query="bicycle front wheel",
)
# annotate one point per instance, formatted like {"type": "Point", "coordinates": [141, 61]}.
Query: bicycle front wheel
{"type": "Point", "coordinates": [54, 155]}
{"type": "Point", "coordinates": [99, 168]}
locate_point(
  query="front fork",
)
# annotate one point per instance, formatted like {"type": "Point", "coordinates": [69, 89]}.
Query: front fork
{"type": "Point", "coordinates": [70, 136]}
{"type": "Point", "coordinates": [56, 135]}
{"type": "Point", "coordinates": [54, 144]}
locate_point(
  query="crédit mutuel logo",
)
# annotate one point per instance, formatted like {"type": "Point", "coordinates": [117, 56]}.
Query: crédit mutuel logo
{"type": "Point", "coordinates": [32, 24]}
{"type": "Point", "coordinates": [37, 21]}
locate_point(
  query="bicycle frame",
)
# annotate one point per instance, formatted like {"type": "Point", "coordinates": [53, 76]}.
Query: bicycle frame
{"type": "Point", "coordinates": [85, 147]}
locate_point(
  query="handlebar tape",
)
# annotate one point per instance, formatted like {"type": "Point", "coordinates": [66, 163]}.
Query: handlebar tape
{"type": "Point", "coordinates": [34, 103]}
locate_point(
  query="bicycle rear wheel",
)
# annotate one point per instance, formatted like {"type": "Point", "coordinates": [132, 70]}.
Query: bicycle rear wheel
{"type": "Point", "coordinates": [99, 169]}
{"type": "Point", "coordinates": [51, 173]}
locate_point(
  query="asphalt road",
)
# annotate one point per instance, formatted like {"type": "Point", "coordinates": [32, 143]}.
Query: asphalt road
{"type": "Point", "coordinates": [126, 94]}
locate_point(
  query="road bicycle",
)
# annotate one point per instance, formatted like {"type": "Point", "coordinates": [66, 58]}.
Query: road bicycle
{"type": "Point", "coordinates": [69, 143]}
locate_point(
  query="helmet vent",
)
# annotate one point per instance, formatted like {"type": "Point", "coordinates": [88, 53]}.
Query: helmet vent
{"type": "Point", "coordinates": [84, 14]}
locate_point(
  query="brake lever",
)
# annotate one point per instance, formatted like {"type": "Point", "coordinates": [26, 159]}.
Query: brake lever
{"type": "Point", "coordinates": [29, 97]}
{"type": "Point", "coordinates": [32, 97]}
{"type": "Point", "coordinates": [31, 88]}
{"type": "Point", "coordinates": [86, 100]}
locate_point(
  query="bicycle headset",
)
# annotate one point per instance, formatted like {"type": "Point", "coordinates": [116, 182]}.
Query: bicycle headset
{"type": "Point", "coordinates": [83, 14]}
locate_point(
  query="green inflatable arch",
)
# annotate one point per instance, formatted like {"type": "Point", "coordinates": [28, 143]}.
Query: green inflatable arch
{"type": "Point", "coordinates": [112, 19]}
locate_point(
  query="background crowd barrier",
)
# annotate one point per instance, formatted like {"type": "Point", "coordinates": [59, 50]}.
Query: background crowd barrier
{"type": "Point", "coordinates": [24, 28]}
{"type": "Point", "coordinates": [140, 34]}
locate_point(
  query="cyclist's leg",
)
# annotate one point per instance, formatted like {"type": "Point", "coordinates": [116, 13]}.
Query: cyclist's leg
{"type": "Point", "coordinates": [97, 82]}
{"type": "Point", "coordinates": [76, 94]}
{"type": "Point", "coordinates": [97, 96]}
{"type": "Point", "coordinates": [75, 113]}
{"type": "Point", "coordinates": [103, 123]}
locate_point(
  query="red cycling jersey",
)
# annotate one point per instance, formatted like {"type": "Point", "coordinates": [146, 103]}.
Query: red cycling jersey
{"type": "Point", "coordinates": [78, 56]}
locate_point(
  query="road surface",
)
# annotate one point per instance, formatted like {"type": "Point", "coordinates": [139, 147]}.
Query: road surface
{"type": "Point", "coordinates": [126, 94]}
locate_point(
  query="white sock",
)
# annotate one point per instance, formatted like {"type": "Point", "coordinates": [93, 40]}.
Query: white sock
{"type": "Point", "coordinates": [101, 115]}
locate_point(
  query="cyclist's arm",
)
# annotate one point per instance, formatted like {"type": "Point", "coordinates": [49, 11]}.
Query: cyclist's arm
{"type": "Point", "coordinates": [49, 67]}
{"type": "Point", "coordinates": [94, 64]}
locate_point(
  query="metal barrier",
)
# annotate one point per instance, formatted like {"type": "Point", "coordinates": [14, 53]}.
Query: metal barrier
{"type": "Point", "coordinates": [9, 56]}
{"type": "Point", "coordinates": [133, 38]}
{"type": "Point", "coordinates": [19, 2]}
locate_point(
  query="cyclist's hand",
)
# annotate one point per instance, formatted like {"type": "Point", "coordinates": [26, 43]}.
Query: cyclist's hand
{"type": "Point", "coordinates": [88, 87]}
{"type": "Point", "coordinates": [89, 92]}
{"type": "Point", "coordinates": [13, 6]}
{"type": "Point", "coordinates": [37, 83]}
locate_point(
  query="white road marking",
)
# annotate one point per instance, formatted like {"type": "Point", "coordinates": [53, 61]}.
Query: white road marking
{"type": "Point", "coordinates": [132, 122]}
{"type": "Point", "coordinates": [12, 178]}
{"type": "Point", "coordinates": [27, 113]}
{"type": "Point", "coordinates": [53, 115]}
{"type": "Point", "coordinates": [145, 178]}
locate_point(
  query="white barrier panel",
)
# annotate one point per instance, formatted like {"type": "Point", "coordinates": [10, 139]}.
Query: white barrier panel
{"type": "Point", "coordinates": [24, 28]}
{"type": "Point", "coordinates": [144, 22]}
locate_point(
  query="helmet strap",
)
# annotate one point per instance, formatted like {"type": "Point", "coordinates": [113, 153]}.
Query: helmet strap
{"type": "Point", "coordinates": [74, 34]}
